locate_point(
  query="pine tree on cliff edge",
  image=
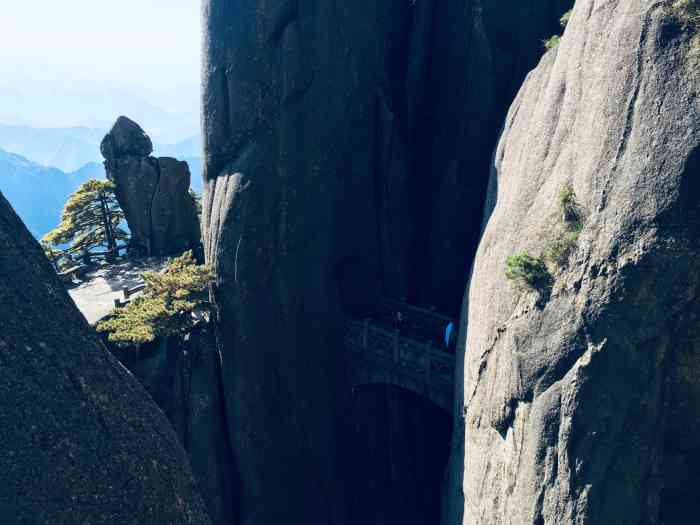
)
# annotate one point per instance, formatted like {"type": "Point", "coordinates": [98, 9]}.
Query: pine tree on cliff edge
{"type": "Point", "coordinates": [172, 303]}
{"type": "Point", "coordinates": [90, 219]}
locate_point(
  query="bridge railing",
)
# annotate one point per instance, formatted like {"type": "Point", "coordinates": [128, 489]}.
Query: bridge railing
{"type": "Point", "coordinates": [425, 325]}
{"type": "Point", "coordinates": [425, 315]}
{"type": "Point", "coordinates": [403, 354]}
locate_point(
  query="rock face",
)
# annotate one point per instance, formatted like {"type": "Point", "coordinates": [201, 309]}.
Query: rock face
{"type": "Point", "coordinates": [153, 192]}
{"type": "Point", "coordinates": [184, 378]}
{"type": "Point", "coordinates": [347, 148]}
{"type": "Point", "coordinates": [81, 440]}
{"type": "Point", "coordinates": [126, 138]}
{"type": "Point", "coordinates": [581, 403]}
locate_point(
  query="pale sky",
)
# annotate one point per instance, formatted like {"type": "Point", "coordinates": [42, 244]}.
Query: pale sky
{"type": "Point", "coordinates": [154, 42]}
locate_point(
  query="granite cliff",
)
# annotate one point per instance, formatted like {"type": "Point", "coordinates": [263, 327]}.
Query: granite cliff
{"type": "Point", "coordinates": [81, 440]}
{"type": "Point", "coordinates": [183, 376]}
{"type": "Point", "coordinates": [581, 398]}
{"type": "Point", "coordinates": [153, 192]}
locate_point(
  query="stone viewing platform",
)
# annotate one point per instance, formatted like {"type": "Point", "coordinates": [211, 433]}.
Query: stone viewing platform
{"type": "Point", "coordinates": [96, 294]}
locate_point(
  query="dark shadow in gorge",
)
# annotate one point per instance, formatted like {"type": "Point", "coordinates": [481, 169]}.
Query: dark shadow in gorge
{"type": "Point", "coordinates": [400, 445]}
{"type": "Point", "coordinates": [450, 72]}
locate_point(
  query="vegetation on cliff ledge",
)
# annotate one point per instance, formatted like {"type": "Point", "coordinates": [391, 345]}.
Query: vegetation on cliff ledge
{"type": "Point", "coordinates": [527, 271]}
{"type": "Point", "coordinates": [554, 40]}
{"type": "Point", "coordinates": [567, 232]}
{"type": "Point", "coordinates": [171, 303]}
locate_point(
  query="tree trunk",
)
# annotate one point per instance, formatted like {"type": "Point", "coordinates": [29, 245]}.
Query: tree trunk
{"type": "Point", "coordinates": [109, 234]}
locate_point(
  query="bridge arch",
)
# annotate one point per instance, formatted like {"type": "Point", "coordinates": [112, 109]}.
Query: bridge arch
{"type": "Point", "coordinates": [440, 399]}
{"type": "Point", "coordinates": [410, 359]}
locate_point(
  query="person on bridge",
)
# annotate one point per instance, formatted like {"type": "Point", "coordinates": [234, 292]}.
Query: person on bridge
{"type": "Point", "coordinates": [450, 337]}
{"type": "Point", "coordinates": [398, 321]}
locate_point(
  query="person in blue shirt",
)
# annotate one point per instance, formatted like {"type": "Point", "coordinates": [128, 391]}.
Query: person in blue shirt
{"type": "Point", "coordinates": [450, 336]}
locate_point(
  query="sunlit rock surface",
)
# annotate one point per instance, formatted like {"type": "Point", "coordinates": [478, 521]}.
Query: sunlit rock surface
{"type": "Point", "coordinates": [581, 404]}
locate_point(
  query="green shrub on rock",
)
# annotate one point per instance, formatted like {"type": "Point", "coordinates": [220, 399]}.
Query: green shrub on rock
{"type": "Point", "coordinates": [570, 209]}
{"type": "Point", "coordinates": [564, 20]}
{"type": "Point", "coordinates": [169, 304]}
{"type": "Point", "coordinates": [554, 40]}
{"type": "Point", "coordinates": [566, 236]}
{"type": "Point", "coordinates": [560, 248]}
{"type": "Point", "coordinates": [527, 271]}
{"type": "Point", "coordinates": [534, 272]}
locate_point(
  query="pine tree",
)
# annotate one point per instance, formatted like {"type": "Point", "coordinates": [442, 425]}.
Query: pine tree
{"type": "Point", "coordinates": [170, 305]}
{"type": "Point", "coordinates": [58, 259]}
{"type": "Point", "coordinates": [90, 219]}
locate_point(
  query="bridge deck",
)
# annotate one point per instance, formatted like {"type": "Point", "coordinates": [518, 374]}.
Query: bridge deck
{"type": "Point", "coordinates": [410, 357]}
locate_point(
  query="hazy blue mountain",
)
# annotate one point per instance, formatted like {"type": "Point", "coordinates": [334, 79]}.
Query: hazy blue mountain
{"type": "Point", "coordinates": [190, 147]}
{"type": "Point", "coordinates": [52, 100]}
{"type": "Point", "coordinates": [65, 148]}
{"type": "Point", "coordinates": [38, 193]}
{"type": "Point", "coordinates": [70, 148]}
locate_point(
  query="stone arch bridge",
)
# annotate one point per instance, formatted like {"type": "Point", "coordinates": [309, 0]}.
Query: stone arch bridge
{"type": "Point", "coordinates": [410, 355]}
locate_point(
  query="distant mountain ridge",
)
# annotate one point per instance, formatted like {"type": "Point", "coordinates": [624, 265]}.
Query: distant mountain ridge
{"type": "Point", "coordinates": [64, 148]}
{"type": "Point", "coordinates": [42, 99]}
{"type": "Point", "coordinates": [70, 148]}
{"type": "Point", "coordinates": [38, 193]}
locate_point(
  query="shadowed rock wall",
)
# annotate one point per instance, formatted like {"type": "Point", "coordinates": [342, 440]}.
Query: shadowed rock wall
{"type": "Point", "coordinates": [340, 131]}
{"type": "Point", "coordinates": [81, 440]}
{"type": "Point", "coordinates": [183, 376]}
{"type": "Point", "coordinates": [273, 80]}
{"type": "Point", "coordinates": [581, 403]}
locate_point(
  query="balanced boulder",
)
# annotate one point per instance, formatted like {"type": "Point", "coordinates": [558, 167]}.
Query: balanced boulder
{"type": "Point", "coordinates": [153, 192]}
